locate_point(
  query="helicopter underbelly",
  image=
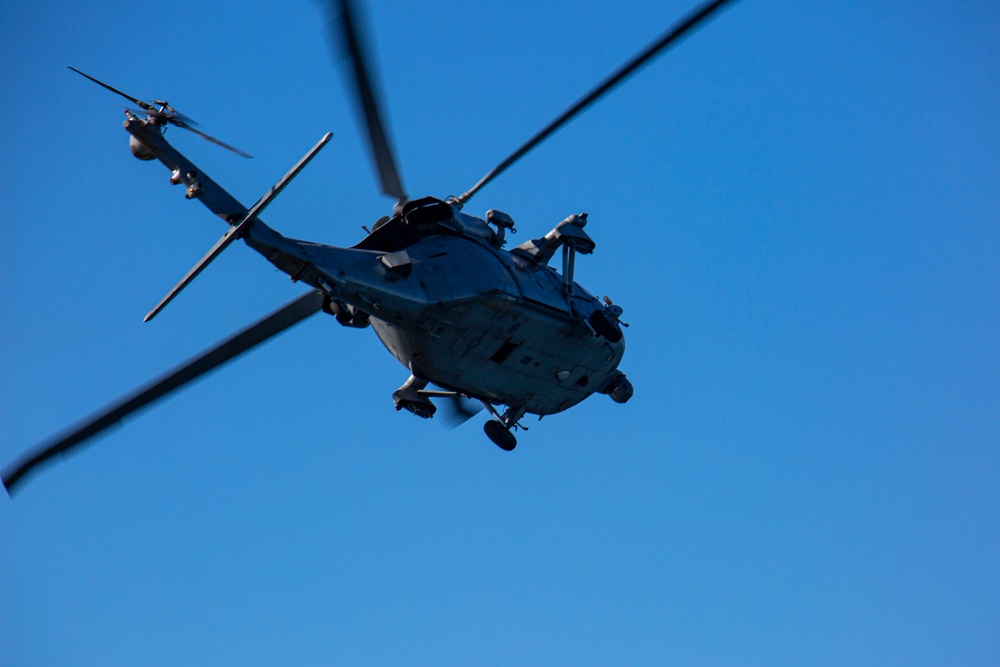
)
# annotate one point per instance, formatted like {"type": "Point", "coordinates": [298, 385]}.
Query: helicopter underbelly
{"type": "Point", "coordinates": [506, 351]}
{"type": "Point", "coordinates": [465, 317]}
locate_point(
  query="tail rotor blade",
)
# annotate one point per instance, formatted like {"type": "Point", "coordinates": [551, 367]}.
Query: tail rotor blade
{"type": "Point", "coordinates": [272, 325]}
{"type": "Point", "coordinates": [165, 113]}
{"type": "Point", "coordinates": [139, 103]}
{"type": "Point", "coordinates": [184, 118]}
{"type": "Point", "coordinates": [344, 31]}
{"type": "Point", "coordinates": [187, 126]}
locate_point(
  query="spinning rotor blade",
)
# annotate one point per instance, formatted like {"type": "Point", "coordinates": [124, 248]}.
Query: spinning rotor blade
{"type": "Point", "coordinates": [348, 34]}
{"type": "Point", "coordinates": [283, 318]}
{"type": "Point", "coordinates": [186, 125]}
{"type": "Point", "coordinates": [458, 410]}
{"type": "Point", "coordinates": [180, 116]}
{"type": "Point", "coordinates": [668, 38]}
{"type": "Point", "coordinates": [171, 116]}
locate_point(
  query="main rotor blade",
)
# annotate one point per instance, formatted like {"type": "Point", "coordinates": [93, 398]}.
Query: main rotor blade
{"type": "Point", "coordinates": [283, 318]}
{"type": "Point", "coordinates": [665, 40]}
{"type": "Point", "coordinates": [366, 99]}
{"type": "Point", "coordinates": [137, 102]}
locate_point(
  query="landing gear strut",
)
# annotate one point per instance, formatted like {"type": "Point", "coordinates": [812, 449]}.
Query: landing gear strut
{"type": "Point", "coordinates": [499, 429]}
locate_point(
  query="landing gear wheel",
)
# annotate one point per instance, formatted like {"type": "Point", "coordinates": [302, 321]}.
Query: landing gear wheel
{"type": "Point", "coordinates": [501, 436]}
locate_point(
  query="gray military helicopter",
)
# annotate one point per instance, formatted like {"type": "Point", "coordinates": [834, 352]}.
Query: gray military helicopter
{"type": "Point", "coordinates": [464, 315]}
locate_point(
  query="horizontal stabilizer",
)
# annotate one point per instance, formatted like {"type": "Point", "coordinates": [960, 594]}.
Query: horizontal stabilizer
{"type": "Point", "coordinates": [237, 230]}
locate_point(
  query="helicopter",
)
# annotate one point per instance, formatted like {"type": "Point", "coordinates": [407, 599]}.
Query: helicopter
{"type": "Point", "coordinates": [472, 321]}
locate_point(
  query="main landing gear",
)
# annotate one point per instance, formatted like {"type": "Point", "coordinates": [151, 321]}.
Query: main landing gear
{"type": "Point", "coordinates": [414, 397]}
{"type": "Point", "coordinates": [499, 429]}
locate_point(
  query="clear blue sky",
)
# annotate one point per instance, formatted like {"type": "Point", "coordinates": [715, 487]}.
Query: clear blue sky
{"type": "Point", "coordinates": [797, 208]}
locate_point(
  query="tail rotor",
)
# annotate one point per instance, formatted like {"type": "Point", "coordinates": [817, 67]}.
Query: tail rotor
{"type": "Point", "coordinates": [159, 112]}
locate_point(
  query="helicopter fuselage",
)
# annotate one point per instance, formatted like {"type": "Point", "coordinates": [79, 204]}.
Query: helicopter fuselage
{"type": "Point", "coordinates": [461, 312]}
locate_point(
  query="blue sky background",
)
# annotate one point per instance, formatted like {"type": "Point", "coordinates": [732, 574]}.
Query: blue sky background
{"type": "Point", "coordinates": [797, 208]}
